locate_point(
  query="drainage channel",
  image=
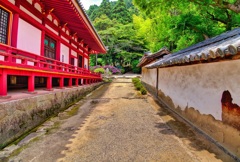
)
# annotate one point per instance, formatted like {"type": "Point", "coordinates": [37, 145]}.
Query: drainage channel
{"type": "Point", "coordinates": [76, 115]}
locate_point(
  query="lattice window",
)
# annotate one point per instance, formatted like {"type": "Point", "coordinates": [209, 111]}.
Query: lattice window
{"type": "Point", "coordinates": [49, 47]}
{"type": "Point", "coordinates": [4, 22]}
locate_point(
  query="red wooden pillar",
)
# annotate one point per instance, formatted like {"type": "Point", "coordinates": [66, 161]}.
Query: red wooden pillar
{"type": "Point", "coordinates": [3, 82]}
{"type": "Point", "coordinates": [76, 81]}
{"type": "Point", "coordinates": [61, 82]}
{"type": "Point", "coordinates": [42, 43]}
{"type": "Point", "coordinates": [58, 50]}
{"type": "Point", "coordinates": [15, 30]}
{"type": "Point", "coordinates": [70, 82]}
{"type": "Point", "coordinates": [31, 83]}
{"type": "Point", "coordinates": [83, 61]}
{"type": "Point", "coordinates": [42, 37]}
{"type": "Point", "coordinates": [88, 63]}
{"type": "Point", "coordinates": [49, 83]}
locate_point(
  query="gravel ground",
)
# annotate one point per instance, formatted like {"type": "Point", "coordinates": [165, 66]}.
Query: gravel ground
{"type": "Point", "coordinates": [121, 125]}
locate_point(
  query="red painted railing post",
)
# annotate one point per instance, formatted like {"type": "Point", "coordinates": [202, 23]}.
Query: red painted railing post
{"type": "Point", "coordinates": [31, 82]}
{"type": "Point", "coordinates": [70, 82]}
{"type": "Point", "coordinates": [3, 81]}
{"type": "Point", "coordinates": [49, 83]}
{"type": "Point", "coordinates": [76, 81]}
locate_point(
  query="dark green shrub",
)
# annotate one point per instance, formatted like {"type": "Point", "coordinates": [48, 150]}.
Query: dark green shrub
{"type": "Point", "coordinates": [99, 70]}
{"type": "Point", "coordinates": [143, 91]}
{"type": "Point", "coordinates": [139, 86]}
{"type": "Point", "coordinates": [136, 80]}
{"type": "Point", "coordinates": [122, 71]}
{"type": "Point", "coordinates": [137, 83]}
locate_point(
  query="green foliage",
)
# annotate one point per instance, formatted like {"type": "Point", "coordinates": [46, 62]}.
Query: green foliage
{"type": "Point", "coordinates": [121, 13]}
{"type": "Point", "coordinates": [129, 30]}
{"type": "Point", "coordinates": [118, 33]}
{"type": "Point", "coordinates": [135, 80]}
{"type": "Point", "coordinates": [138, 85]}
{"type": "Point", "coordinates": [134, 64]}
{"type": "Point", "coordinates": [143, 91]}
{"type": "Point", "coordinates": [122, 70]}
{"type": "Point", "coordinates": [105, 8]}
{"type": "Point", "coordinates": [93, 12]}
{"type": "Point", "coordinates": [179, 24]}
{"type": "Point", "coordinates": [99, 70]}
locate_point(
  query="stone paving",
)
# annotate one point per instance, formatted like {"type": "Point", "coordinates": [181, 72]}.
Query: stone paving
{"type": "Point", "coordinates": [116, 123]}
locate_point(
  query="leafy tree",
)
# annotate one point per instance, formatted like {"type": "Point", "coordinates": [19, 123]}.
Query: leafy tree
{"type": "Point", "coordinates": [93, 12]}
{"type": "Point", "coordinates": [128, 3]}
{"type": "Point", "coordinates": [105, 8]}
{"type": "Point", "coordinates": [118, 34]}
{"type": "Point", "coordinates": [121, 13]}
{"type": "Point", "coordinates": [233, 5]}
{"type": "Point", "coordinates": [179, 24]}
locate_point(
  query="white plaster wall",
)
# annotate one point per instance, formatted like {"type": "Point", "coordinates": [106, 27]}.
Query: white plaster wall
{"type": "Point", "coordinates": [201, 86]}
{"type": "Point", "coordinates": [149, 76]}
{"type": "Point", "coordinates": [75, 62]}
{"type": "Point", "coordinates": [12, 1]}
{"type": "Point", "coordinates": [29, 37]}
{"type": "Point", "coordinates": [74, 53]}
{"type": "Point", "coordinates": [30, 63]}
{"type": "Point", "coordinates": [64, 55]}
{"type": "Point", "coordinates": [86, 63]}
{"type": "Point", "coordinates": [54, 31]}
{"type": "Point", "coordinates": [1, 58]}
{"type": "Point", "coordinates": [30, 14]}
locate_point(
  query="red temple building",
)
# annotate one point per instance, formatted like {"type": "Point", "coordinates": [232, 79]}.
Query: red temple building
{"type": "Point", "coordinates": [46, 43]}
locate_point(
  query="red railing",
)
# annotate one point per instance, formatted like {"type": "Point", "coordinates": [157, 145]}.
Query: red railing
{"type": "Point", "coordinates": [16, 57]}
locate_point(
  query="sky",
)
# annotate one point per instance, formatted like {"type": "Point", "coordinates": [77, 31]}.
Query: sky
{"type": "Point", "coordinates": [87, 3]}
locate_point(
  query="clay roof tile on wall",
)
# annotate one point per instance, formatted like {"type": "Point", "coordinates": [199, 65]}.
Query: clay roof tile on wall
{"type": "Point", "coordinates": [148, 58]}
{"type": "Point", "coordinates": [224, 46]}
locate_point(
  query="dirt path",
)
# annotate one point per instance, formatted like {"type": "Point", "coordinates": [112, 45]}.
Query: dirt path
{"type": "Point", "coordinates": [115, 123]}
